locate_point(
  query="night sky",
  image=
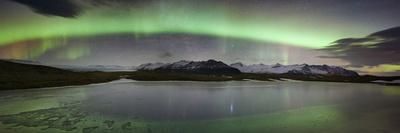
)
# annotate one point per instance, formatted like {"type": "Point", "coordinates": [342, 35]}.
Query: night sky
{"type": "Point", "coordinates": [356, 34]}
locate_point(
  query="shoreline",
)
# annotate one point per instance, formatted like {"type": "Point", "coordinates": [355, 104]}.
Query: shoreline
{"type": "Point", "coordinates": [125, 80]}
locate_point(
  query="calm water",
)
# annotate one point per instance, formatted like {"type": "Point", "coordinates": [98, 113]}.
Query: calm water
{"type": "Point", "coordinates": [342, 106]}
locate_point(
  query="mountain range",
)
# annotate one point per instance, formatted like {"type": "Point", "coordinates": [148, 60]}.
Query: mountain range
{"type": "Point", "coordinates": [197, 67]}
{"type": "Point", "coordinates": [17, 74]}
{"type": "Point", "coordinates": [217, 67]}
{"type": "Point", "coordinates": [297, 69]}
{"type": "Point", "coordinates": [212, 67]}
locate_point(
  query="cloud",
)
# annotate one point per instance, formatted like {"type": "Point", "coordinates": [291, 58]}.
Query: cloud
{"type": "Point", "coordinates": [385, 69]}
{"type": "Point", "coordinates": [62, 8]}
{"type": "Point", "coordinates": [73, 8]}
{"type": "Point", "coordinates": [379, 48]}
{"type": "Point", "coordinates": [123, 2]}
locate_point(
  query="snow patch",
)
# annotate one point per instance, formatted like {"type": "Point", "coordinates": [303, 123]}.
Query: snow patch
{"type": "Point", "coordinates": [390, 82]}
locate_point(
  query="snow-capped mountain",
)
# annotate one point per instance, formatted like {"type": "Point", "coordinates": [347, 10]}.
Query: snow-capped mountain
{"type": "Point", "coordinates": [203, 67]}
{"type": "Point", "coordinates": [303, 69]}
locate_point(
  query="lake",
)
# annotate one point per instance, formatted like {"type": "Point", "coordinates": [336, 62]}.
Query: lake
{"type": "Point", "coordinates": [202, 107]}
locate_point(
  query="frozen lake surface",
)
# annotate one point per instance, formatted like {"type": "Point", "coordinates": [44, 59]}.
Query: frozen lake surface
{"type": "Point", "coordinates": [175, 106]}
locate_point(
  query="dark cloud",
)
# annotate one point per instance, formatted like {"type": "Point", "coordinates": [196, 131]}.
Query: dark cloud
{"type": "Point", "coordinates": [382, 47]}
{"type": "Point", "coordinates": [389, 33]}
{"type": "Point", "coordinates": [71, 8]}
{"type": "Point", "coordinates": [121, 3]}
{"type": "Point", "coordinates": [62, 8]}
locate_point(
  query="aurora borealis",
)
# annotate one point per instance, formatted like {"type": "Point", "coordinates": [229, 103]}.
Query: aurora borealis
{"type": "Point", "coordinates": [130, 32]}
{"type": "Point", "coordinates": [168, 17]}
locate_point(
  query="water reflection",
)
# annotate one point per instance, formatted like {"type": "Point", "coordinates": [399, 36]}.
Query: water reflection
{"type": "Point", "coordinates": [197, 100]}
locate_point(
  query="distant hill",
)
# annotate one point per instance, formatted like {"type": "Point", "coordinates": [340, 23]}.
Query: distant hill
{"type": "Point", "coordinates": [94, 68]}
{"type": "Point", "coordinates": [17, 69]}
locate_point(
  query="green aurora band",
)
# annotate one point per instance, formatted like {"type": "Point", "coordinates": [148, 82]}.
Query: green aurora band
{"type": "Point", "coordinates": [156, 19]}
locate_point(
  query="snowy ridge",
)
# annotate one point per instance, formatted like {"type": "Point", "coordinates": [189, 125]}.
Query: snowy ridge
{"type": "Point", "coordinates": [388, 82]}
{"type": "Point", "coordinates": [303, 69]}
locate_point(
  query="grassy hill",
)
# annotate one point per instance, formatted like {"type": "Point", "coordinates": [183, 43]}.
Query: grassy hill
{"type": "Point", "coordinates": [23, 76]}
